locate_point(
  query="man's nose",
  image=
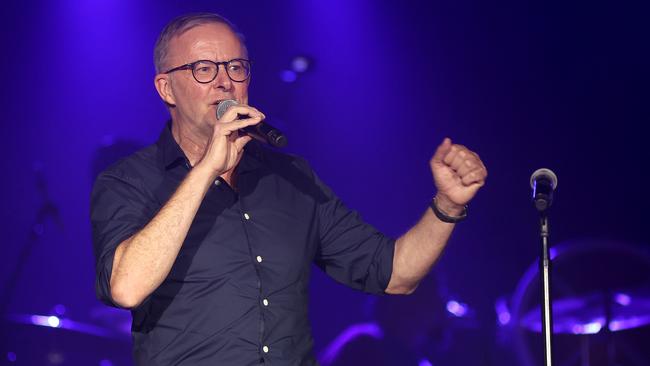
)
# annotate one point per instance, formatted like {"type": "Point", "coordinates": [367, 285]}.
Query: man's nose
{"type": "Point", "coordinates": [222, 81]}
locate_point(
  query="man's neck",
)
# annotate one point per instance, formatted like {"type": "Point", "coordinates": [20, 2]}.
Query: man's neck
{"type": "Point", "coordinates": [194, 144]}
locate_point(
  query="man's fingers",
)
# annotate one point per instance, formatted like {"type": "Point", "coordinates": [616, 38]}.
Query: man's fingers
{"type": "Point", "coordinates": [476, 176]}
{"type": "Point", "coordinates": [454, 151]}
{"type": "Point", "coordinates": [467, 165]}
{"type": "Point", "coordinates": [241, 141]}
{"type": "Point", "coordinates": [459, 159]}
{"type": "Point", "coordinates": [442, 151]}
{"type": "Point", "coordinates": [255, 110]}
{"type": "Point", "coordinates": [240, 109]}
{"type": "Point", "coordinates": [226, 128]}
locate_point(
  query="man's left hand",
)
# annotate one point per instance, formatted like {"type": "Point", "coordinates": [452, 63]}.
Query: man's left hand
{"type": "Point", "coordinates": [458, 173]}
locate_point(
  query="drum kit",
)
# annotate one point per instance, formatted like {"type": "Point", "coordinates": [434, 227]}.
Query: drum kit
{"type": "Point", "coordinates": [37, 339]}
{"type": "Point", "coordinates": [102, 338]}
{"type": "Point", "coordinates": [601, 306]}
{"type": "Point", "coordinates": [601, 316]}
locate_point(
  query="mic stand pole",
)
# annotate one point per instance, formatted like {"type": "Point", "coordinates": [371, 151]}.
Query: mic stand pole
{"type": "Point", "coordinates": [545, 276]}
{"type": "Point", "coordinates": [47, 209]}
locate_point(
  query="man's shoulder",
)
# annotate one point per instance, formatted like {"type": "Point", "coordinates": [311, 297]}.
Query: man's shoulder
{"type": "Point", "coordinates": [134, 167]}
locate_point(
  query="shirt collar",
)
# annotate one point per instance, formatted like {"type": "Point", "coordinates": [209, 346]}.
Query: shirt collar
{"type": "Point", "coordinates": [170, 154]}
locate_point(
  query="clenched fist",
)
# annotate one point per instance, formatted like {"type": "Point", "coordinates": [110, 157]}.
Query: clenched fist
{"type": "Point", "coordinates": [458, 173]}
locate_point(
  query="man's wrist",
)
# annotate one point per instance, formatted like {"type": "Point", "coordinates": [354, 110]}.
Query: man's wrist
{"type": "Point", "coordinates": [204, 173]}
{"type": "Point", "coordinates": [448, 212]}
{"type": "Point", "coordinates": [448, 207]}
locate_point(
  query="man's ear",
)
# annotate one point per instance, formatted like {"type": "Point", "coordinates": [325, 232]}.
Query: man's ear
{"type": "Point", "coordinates": [164, 88]}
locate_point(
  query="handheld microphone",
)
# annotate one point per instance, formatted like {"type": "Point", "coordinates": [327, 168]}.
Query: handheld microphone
{"type": "Point", "coordinates": [262, 131]}
{"type": "Point", "coordinates": [543, 182]}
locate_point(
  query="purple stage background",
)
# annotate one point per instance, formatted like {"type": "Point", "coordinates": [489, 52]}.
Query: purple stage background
{"type": "Point", "coordinates": [526, 85]}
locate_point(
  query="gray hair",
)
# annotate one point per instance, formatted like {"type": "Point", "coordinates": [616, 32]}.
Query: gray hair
{"type": "Point", "coordinates": [182, 24]}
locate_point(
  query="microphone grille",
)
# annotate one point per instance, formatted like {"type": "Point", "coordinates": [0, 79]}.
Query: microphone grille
{"type": "Point", "coordinates": [546, 173]}
{"type": "Point", "coordinates": [223, 107]}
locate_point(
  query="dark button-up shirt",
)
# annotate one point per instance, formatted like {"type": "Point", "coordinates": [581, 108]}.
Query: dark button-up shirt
{"type": "Point", "coordinates": [237, 293]}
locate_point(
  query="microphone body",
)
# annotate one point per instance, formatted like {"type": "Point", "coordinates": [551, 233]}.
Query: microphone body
{"type": "Point", "coordinates": [543, 182]}
{"type": "Point", "coordinates": [262, 131]}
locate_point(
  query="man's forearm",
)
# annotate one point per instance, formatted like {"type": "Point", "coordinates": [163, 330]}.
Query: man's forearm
{"type": "Point", "coordinates": [458, 174]}
{"type": "Point", "coordinates": [143, 261]}
{"type": "Point", "coordinates": [417, 251]}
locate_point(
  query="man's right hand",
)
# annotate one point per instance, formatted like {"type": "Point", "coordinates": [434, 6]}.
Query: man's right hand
{"type": "Point", "coordinates": [225, 147]}
{"type": "Point", "coordinates": [142, 262]}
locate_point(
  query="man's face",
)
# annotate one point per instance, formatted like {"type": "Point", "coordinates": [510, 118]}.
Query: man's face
{"type": "Point", "coordinates": [195, 103]}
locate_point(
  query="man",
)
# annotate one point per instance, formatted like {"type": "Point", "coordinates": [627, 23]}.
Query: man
{"type": "Point", "coordinates": [208, 237]}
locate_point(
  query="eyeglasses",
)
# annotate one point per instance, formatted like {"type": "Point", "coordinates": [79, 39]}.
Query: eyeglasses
{"type": "Point", "coordinates": [204, 71]}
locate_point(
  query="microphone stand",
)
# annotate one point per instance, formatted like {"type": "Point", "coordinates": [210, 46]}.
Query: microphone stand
{"type": "Point", "coordinates": [543, 182]}
{"type": "Point", "coordinates": [545, 276]}
{"type": "Point", "coordinates": [47, 210]}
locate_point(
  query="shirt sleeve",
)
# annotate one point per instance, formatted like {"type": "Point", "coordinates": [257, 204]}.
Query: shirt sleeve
{"type": "Point", "coordinates": [118, 210]}
{"type": "Point", "coordinates": [351, 251]}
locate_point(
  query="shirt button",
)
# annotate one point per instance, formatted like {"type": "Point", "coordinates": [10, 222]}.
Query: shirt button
{"type": "Point", "coordinates": [247, 216]}
{"type": "Point", "coordinates": [217, 182]}
{"type": "Point", "coordinates": [259, 259]}
{"type": "Point", "coordinates": [265, 349]}
{"type": "Point", "coordinates": [265, 302]}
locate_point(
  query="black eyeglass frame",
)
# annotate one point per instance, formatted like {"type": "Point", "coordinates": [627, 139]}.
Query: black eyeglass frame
{"type": "Point", "coordinates": [190, 66]}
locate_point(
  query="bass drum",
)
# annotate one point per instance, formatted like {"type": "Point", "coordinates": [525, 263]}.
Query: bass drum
{"type": "Point", "coordinates": [601, 306]}
{"type": "Point", "coordinates": [432, 326]}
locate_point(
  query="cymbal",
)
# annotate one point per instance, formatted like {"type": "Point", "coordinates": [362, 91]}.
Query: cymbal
{"type": "Point", "coordinates": [588, 314]}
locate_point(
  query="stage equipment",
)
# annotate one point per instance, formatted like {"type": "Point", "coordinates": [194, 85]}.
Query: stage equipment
{"type": "Point", "coordinates": [601, 306]}
{"type": "Point", "coordinates": [543, 182]}
{"type": "Point", "coordinates": [36, 339]}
